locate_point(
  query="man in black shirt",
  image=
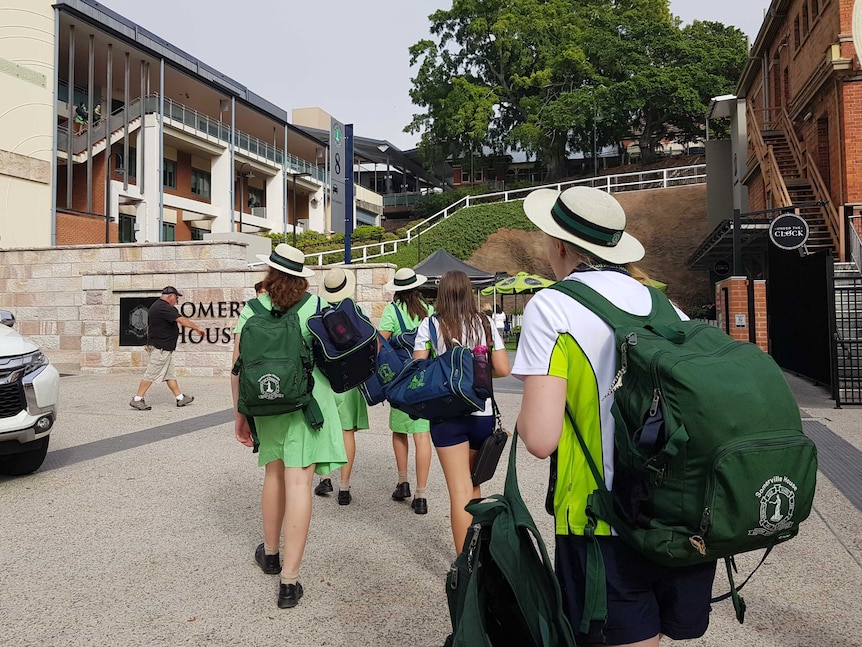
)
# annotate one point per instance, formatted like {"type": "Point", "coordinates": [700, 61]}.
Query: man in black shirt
{"type": "Point", "coordinates": [163, 328]}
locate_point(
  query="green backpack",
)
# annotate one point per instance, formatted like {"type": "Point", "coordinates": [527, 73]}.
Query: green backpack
{"type": "Point", "coordinates": [275, 365]}
{"type": "Point", "coordinates": [502, 589]}
{"type": "Point", "coordinates": [710, 457]}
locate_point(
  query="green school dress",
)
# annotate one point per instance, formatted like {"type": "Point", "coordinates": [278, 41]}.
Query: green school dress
{"type": "Point", "coordinates": [288, 437]}
{"type": "Point", "coordinates": [352, 410]}
{"type": "Point", "coordinates": [399, 421]}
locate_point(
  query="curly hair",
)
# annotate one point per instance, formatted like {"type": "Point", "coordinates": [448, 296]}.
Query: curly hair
{"type": "Point", "coordinates": [285, 290]}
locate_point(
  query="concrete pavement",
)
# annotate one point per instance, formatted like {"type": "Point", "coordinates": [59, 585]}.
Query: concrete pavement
{"type": "Point", "coordinates": [140, 530]}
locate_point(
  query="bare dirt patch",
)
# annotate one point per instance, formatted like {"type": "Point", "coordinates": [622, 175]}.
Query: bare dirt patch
{"type": "Point", "coordinates": [671, 224]}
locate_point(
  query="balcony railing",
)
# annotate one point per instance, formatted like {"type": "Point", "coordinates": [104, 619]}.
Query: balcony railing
{"type": "Point", "coordinates": [200, 123]}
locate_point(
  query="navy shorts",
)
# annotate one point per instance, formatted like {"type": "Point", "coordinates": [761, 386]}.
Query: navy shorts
{"type": "Point", "coordinates": [644, 599]}
{"type": "Point", "coordinates": [466, 429]}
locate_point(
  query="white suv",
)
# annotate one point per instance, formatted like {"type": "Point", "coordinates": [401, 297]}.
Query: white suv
{"type": "Point", "coordinates": [29, 398]}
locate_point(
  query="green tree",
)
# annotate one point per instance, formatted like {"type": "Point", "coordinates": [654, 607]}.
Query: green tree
{"type": "Point", "coordinates": [540, 75]}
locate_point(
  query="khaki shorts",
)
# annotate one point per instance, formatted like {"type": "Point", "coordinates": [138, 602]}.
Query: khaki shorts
{"type": "Point", "coordinates": [161, 365]}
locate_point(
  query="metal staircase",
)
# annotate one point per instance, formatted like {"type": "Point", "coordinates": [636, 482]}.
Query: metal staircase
{"type": "Point", "coordinates": [791, 178]}
{"type": "Point", "coordinates": [847, 369]}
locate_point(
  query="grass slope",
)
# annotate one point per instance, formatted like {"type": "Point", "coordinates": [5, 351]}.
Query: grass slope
{"type": "Point", "coordinates": [462, 233]}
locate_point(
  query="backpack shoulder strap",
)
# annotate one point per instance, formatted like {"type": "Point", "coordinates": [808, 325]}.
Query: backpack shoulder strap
{"type": "Point", "coordinates": [432, 333]}
{"type": "Point", "coordinates": [257, 307]}
{"type": "Point", "coordinates": [296, 306]}
{"type": "Point", "coordinates": [400, 317]}
{"type": "Point", "coordinates": [662, 311]}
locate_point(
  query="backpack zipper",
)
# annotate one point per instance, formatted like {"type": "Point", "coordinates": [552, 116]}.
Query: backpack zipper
{"type": "Point", "coordinates": [698, 541]}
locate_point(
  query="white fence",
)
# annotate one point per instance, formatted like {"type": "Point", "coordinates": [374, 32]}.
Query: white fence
{"type": "Point", "coordinates": [638, 181]}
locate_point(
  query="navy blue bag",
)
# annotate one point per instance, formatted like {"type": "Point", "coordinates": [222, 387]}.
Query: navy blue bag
{"type": "Point", "coordinates": [403, 342]}
{"type": "Point", "coordinates": [389, 365]}
{"type": "Point", "coordinates": [345, 345]}
{"type": "Point", "coordinates": [437, 388]}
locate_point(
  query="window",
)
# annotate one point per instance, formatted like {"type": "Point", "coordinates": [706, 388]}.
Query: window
{"type": "Point", "coordinates": [796, 33]}
{"type": "Point", "coordinates": [169, 232]}
{"type": "Point", "coordinates": [255, 197]}
{"type": "Point", "coordinates": [805, 18]}
{"type": "Point", "coordinates": [169, 174]}
{"type": "Point", "coordinates": [198, 233]}
{"type": "Point", "coordinates": [465, 176]}
{"type": "Point", "coordinates": [815, 7]}
{"type": "Point", "coordinates": [478, 175]}
{"type": "Point", "coordinates": [201, 183]}
{"type": "Point", "coordinates": [119, 165]}
{"type": "Point", "coordinates": [126, 228]}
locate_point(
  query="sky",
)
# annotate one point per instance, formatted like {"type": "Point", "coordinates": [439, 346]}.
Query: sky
{"type": "Point", "coordinates": [348, 58]}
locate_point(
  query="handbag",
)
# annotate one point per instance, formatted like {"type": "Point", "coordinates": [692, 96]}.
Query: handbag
{"type": "Point", "coordinates": [489, 453]}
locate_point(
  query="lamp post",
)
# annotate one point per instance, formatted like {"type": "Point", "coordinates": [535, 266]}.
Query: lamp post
{"type": "Point", "coordinates": [294, 176]}
{"type": "Point", "coordinates": [244, 172]}
{"type": "Point", "coordinates": [384, 148]}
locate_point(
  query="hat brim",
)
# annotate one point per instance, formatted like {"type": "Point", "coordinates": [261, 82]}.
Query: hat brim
{"type": "Point", "coordinates": [420, 280]}
{"type": "Point", "coordinates": [537, 207]}
{"type": "Point", "coordinates": [343, 293]}
{"type": "Point", "coordinates": [305, 273]}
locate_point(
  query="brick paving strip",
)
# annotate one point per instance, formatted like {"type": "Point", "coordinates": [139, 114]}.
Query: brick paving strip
{"type": "Point", "coordinates": [101, 448]}
{"type": "Point", "coordinates": [838, 460]}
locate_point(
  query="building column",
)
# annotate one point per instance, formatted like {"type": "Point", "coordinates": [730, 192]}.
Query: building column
{"type": "Point", "coordinates": [740, 306]}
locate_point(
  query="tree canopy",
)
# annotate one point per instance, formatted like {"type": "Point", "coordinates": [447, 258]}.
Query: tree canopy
{"type": "Point", "coordinates": [547, 76]}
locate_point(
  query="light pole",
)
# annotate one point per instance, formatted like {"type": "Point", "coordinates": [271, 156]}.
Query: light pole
{"type": "Point", "coordinates": [247, 174]}
{"type": "Point", "coordinates": [384, 148]}
{"type": "Point", "coordinates": [294, 176]}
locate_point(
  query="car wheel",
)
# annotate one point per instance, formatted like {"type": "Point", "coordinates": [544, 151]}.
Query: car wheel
{"type": "Point", "coordinates": [24, 462]}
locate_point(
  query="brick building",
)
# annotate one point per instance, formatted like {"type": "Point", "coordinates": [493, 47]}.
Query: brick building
{"type": "Point", "coordinates": [803, 92]}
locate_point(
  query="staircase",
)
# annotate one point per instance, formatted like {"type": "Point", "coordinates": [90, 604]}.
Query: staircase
{"type": "Point", "coordinates": [800, 190]}
{"type": "Point", "coordinates": [791, 178]}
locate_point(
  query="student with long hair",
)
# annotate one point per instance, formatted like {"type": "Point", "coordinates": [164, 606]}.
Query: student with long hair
{"type": "Point", "coordinates": [457, 440]}
{"type": "Point", "coordinates": [413, 309]}
{"type": "Point", "coordinates": [352, 410]}
{"type": "Point", "coordinates": [291, 451]}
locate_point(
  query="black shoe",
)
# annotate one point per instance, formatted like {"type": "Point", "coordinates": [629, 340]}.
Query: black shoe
{"type": "Point", "coordinates": [323, 488]}
{"type": "Point", "coordinates": [344, 497]}
{"type": "Point", "coordinates": [269, 564]}
{"type": "Point", "coordinates": [288, 595]}
{"type": "Point", "coordinates": [401, 492]}
{"type": "Point", "coordinates": [420, 506]}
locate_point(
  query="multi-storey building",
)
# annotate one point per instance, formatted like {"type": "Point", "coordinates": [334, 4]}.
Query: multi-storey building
{"type": "Point", "coordinates": [109, 133]}
{"type": "Point", "coordinates": [803, 86]}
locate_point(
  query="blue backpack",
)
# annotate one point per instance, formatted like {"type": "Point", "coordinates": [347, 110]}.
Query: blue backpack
{"type": "Point", "coordinates": [389, 364]}
{"type": "Point", "coordinates": [437, 388]}
{"type": "Point", "coordinates": [403, 342]}
{"type": "Point", "coordinates": [345, 344]}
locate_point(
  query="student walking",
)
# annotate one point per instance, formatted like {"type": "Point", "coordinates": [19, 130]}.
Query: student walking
{"type": "Point", "coordinates": [291, 450]}
{"type": "Point", "coordinates": [457, 440]}
{"type": "Point", "coordinates": [406, 312]}
{"type": "Point", "coordinates": [567, 359]}
{"type": "Point", "coordinates": [352, 410]}
{"type": "Point", "coordinates": [163, 328]}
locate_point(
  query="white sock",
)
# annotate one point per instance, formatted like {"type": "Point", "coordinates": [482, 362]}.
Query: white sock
{"type": "Point", "coordinates": [138, 398]}
{"type": "Point", "coordinates": [180, 397]}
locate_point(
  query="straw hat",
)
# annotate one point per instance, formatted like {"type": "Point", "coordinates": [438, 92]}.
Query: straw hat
{"type": "Point", "coordinates": [405, 279]}
{"type": "Point", "coordinates": [287, 259]}
{"type": "Point", "coordinates": [338, 285]}
{"type": "Point", "coordinates": [590, 219]}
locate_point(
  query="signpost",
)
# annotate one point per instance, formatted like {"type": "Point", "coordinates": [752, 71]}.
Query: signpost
{"type": "Point", "coordinates": [337, 175]}
{"type": "Point", "coordinates": [788, 231]}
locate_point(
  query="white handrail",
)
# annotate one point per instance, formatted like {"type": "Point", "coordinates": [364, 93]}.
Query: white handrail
{"type": "Point", "coordinates": [637, 181]}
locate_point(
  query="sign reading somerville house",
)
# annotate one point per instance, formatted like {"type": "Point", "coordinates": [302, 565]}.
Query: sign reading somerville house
{"type": "Point", "coordinates": [134, 312]}
{"type": "Point", "coordinates": [788, 231]}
